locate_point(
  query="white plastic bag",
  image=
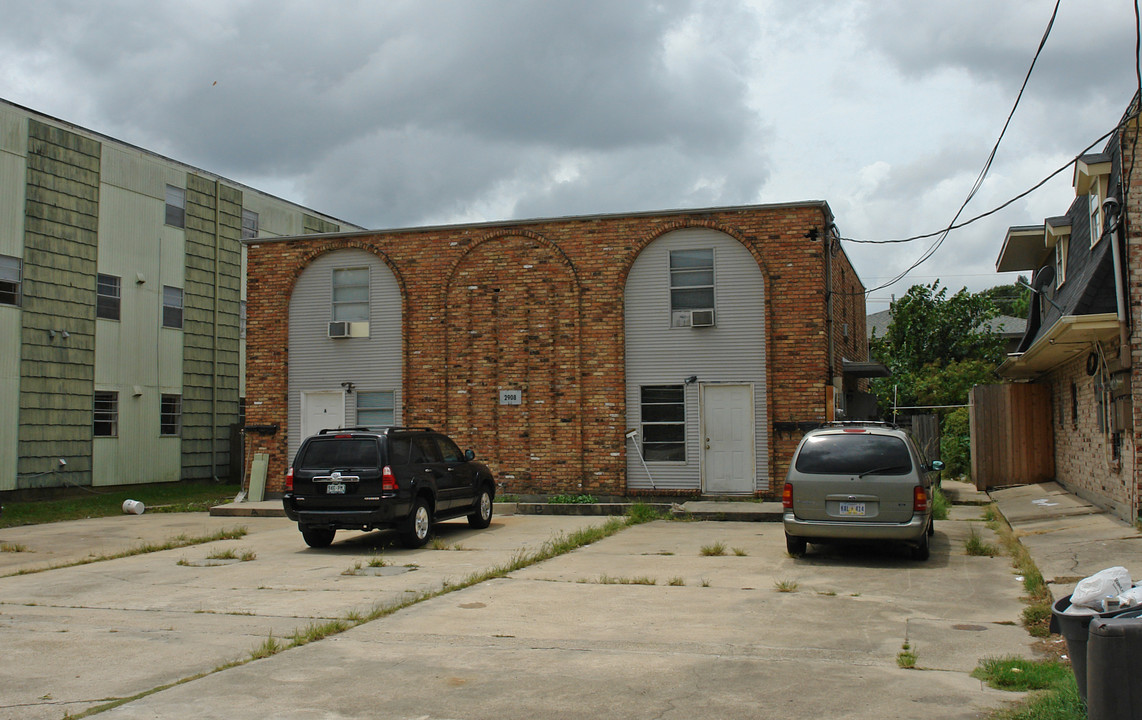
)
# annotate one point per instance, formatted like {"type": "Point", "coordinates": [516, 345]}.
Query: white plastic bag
{"type": "Point", "coordinates": [1131, 597]}
{"type": "Point", "coordinates": [1091, 591]}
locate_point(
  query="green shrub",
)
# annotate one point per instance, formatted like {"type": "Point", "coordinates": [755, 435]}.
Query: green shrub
{"type": "Point", "coordinates": [955, 443]}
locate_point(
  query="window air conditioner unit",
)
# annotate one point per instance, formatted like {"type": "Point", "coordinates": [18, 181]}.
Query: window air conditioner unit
{"type": "Point", "coordinates": [702, 318]}
{"type": "Point", "coordinates": [339, 329]}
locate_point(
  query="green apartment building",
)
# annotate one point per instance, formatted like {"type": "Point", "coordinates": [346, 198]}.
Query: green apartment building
{"type": "Point", "coordinates": [121, 307]}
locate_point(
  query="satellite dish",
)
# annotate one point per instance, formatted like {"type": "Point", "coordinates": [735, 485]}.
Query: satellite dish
{"type": "Point", "coordinates": [1043, 278]}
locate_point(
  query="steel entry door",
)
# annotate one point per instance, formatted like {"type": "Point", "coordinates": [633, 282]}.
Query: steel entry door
{"type": "Point", "coordinates": [727, 439]}
{"type": "Point", "coordinates": [321, 410]}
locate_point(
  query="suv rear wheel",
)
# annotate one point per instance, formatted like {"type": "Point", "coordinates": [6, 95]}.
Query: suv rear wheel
{"type": "Point", "coordinates": [318, 537]}
{"type": "Point", "coordinates": [414, 534]}
{"type": "Point", "coordinates": [482, 518]}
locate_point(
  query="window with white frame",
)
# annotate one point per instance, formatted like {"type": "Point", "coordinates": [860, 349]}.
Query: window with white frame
{"type": "Point", "coordinates": [663, 413]}
{"type": "Point", "coordinates": [172, 307]}
{"type": "Point", "coordinates": [249, 224]}
{"type": "Point", "coordinates": [375, 409]}
{"type": "Point", "coordinates": [1061, 251]}
{"type": "Point", "coordinates": [170, 415]}
{"type": "Point", "coordinates": [176, 207]}
{"type": "Point", "coordinates": [1095, 213]}
{"type": "Point", "coordinates": [106, 418]}
{"type": "Point", "coordinates": [107, 296]}
{"type": "Point", "coordinates": [351, 295]}
{"type": "Point", "coordinates": [11, 279]}
{"type": "Point", "coordinates": [691, 287]}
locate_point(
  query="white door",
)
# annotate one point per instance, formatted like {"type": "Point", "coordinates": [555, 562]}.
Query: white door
{"type": "Point", "coordinates": [727, 439]}
{"type": "Point", "coordinates": [321, 410]}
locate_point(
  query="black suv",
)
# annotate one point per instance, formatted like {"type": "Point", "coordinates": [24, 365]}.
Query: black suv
{"type": "Point", "coordinates": [397, 477]}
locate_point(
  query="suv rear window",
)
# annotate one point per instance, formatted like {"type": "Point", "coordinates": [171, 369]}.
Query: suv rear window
{"type": "Point", "coordinates": [338, 453]}
{"type": "Point", "coordinates": [853, 454]}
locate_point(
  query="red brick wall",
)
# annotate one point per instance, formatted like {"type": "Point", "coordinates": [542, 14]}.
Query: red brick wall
{"type": "Point", "coordinates": [538, 306]}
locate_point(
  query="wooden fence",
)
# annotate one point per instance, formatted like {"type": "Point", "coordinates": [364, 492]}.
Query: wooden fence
{"type": "Point", "coordinates": [1012, 439]}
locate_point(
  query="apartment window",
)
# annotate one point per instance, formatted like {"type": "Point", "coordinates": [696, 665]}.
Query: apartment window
{"type": "Point", "coordinates": [249, 224]}
{"type": "Point", "coordinates": [691, 287]}
{"type": "Point", "coordinates": [663, 409]}
{"type": "Point", "coordinates": [351, 295]}
{"type": "Point", "coordinates": [1074, 405]}
{"type": "Point", "coordinates": [107, 294]}
{"type": "Point", "coordinates": [106, 414]}
{"type": "Point", "coordinates": [375, 409]}
{"type": "Point", "coordinates": [172, 307]}
{"type": "Point", "coordinates": [176, 207]}
{"type": "Point", "coordinates": [170, 415]}
{"type": "Point", "coordinates": [1095, 215]}
{"type": "Point", "coordinates": [1062, 249]}
{"type": "Point", "coordinates": [10, 280]}
{"type": "Point", "coordinates": [242, 320]}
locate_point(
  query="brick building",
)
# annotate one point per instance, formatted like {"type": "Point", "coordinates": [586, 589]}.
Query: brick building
{"type": "Point", "coordinates": [677, 352]}
{"type": "Point", "coordinates": [1082, 348]}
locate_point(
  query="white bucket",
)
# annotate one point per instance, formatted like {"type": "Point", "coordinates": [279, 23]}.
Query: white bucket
{"type": "Point", "coordinates": [133, 507]}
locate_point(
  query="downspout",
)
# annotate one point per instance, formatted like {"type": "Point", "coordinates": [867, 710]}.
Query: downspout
{"type": "Point", "coordinates": [1124, 352]}
{"type": "Point", "coordinates": [830, 397]}
{"type": "Point", "coordinates": [214, 332]}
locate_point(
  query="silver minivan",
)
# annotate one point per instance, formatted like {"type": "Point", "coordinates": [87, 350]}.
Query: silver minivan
{"type": "Point", "coordinates": [859, 481]}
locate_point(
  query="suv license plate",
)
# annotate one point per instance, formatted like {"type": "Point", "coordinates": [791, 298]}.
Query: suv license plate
{"type": "Point", "coordinates": [335, 489]}
{"type": "Point", "coordinates": [852, 509]}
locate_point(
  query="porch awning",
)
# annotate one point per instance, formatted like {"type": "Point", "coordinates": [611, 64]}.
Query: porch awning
{"type": "Point", "coordinates": [1070, 336]}
{"type": "Point", "coordinates": [864, 369]}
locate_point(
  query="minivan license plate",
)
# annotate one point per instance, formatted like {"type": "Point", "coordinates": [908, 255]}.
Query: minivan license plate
{"type": "Point", "coordinates": [335, 489]}
{"type": "Point", "coordinates": [852, 509]}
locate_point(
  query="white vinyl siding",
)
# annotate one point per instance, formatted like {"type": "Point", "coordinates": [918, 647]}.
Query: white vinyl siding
{"type": "Point", "coordinates": [659, 355]}
{"type": "Point", "coordinates": [319, 363]}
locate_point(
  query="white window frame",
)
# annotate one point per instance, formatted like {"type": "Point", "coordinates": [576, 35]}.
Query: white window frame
{"type": "Point", "coordinates": [1062, 249]}
{"type": "Point", "coordinates": [349, 309]}
{"type": "Point", "coordinates": [249, 224]}
{"type": "Point", "coordinates": [676, 309]}
{"type": "Point", "coordinates": [644, 423]}
{"type": "Point", "coordinates": [376, 401]}
{"type": "Point", "coordinates": [1095, 199]}
{"type": "Point", "coordinates": [175, 207]}
{"type": "Point", "coordinates": [105, 299]}
{"type": "Point", "coordinates": [170, 304]}
{"type": "Point", "coordinates": [170, 415]}
{"type": "Point", "coordinates": [105, 413]}
{"type": "Point", "coordinates": [11, 280]}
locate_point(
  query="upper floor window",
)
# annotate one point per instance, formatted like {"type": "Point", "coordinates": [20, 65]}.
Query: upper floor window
{"type": "Point", "coordinates": [1095, 215]}
{"type": "Point", "coordinates": [351, 295]}
{"type": "Point", "coordinates": [176, 207]}
{"type": "Point", "coordinates": [691, 287]}
{"type": "Point", "coordinates": [249, 224]}
{"type": "Point", "coordinates": [1061, 251]}
{"type": "Point", "coordinates": [107, 295]}
{"type": "Point", "coordinates": [10, 279]}
{"type": "Point", "coordinates": [172, 307]}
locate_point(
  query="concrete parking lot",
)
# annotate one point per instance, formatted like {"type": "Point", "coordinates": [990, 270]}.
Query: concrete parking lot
{"type": "Point", "coordinates": [641, 624]}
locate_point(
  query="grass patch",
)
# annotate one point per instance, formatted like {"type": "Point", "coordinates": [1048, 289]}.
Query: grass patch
{"type": "Point", "coordinates": [269, 647]}
{"type": "Point", "coordinates": [640, 512]}
{"type": "Point", "coordinates": [571, 500]}
{"type": "Point", "coordinates": [740, 552]}
{"type": "Point", "coordinates": [178, 541]}
{"type": "Point", "coordinates": [976, 546]}
{"type": "Point", "coordinates": [13, 547]}
{"type": "Point", "coordinates": [231, 554]}
{"type": "Point", "coordinates": [785, 586]}
{"type": "Point", "coordinates": [1054, 694]}
{"type": "Point", "coordinates": [157, 497]}
{"type": "Point", "coordinates": [940, 505]}
{"type": "Point", "coordinates": [713, 549]}
{"type": "Point", "coordinates": [676, 582]}
{"type": "Point", "coordinates": [608, 580]}
{"type": "Point", "coordinates": [1037, 614]}
{"type": "Point", "coordinates": [906, 658]}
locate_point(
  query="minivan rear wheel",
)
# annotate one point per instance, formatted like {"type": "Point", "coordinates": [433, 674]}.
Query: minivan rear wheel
{"type": "Point", "coordinates": [796, 546]}
{"type": "Point", "coordinates": [921, 551]}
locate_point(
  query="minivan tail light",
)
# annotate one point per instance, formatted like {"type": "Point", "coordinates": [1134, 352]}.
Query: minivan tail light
{"type": "Point", "coordinates": [919, 500]}
{"type": "Point", "coordinates": [289, 480]}
{"type": "Point", "coordinates": [388, 480]}
{"type": "Point", "coordinates": [787, 497]}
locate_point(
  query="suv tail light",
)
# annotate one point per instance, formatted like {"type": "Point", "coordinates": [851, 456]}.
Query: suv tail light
{"type": "Point", "coordinates": [388, 480]}
{"type": "Point", "coordinates": [787, 497]}
{"type": "Point", "coordinates": [289, 479]}
{"type": "Point", "coordinates": [919, 499]}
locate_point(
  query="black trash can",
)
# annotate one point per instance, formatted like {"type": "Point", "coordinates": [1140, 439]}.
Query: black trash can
{"type": "Point", "coordinates": [1114, 667]}
{"type": "Point", "coordinates": [1075, 629]}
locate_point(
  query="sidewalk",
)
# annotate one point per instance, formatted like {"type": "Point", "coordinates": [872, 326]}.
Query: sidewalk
{"type": "Point", "coordinates": [1068, 538]}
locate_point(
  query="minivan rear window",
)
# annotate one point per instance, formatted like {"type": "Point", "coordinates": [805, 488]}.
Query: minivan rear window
{"type": "Point", "coordinates": [339, 453]}
{"type": "Point", "coordinates": [853, 454]}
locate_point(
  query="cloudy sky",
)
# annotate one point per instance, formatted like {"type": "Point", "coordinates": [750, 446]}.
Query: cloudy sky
{"type": "Point", "coordinates": [394, 114]}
